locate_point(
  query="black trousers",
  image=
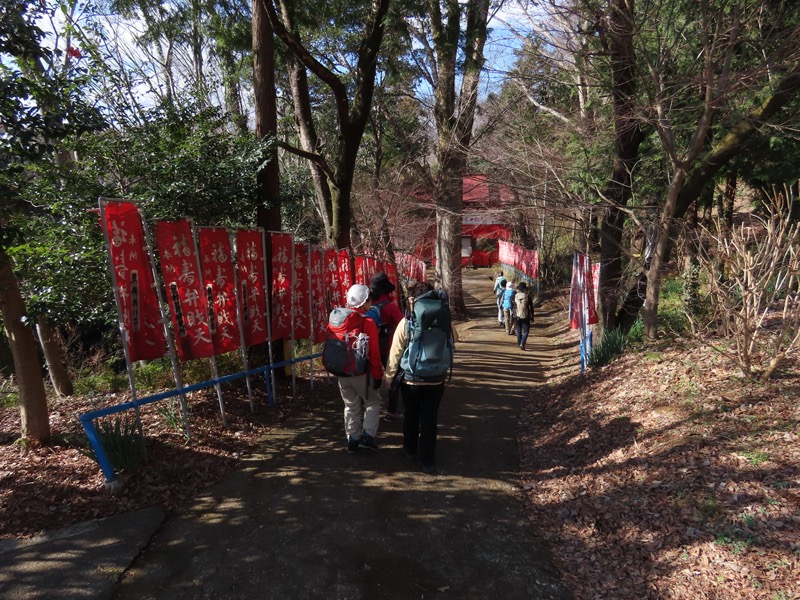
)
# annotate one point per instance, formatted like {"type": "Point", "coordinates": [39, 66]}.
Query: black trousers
{"type": "Point", "coordinates": [420, 423]}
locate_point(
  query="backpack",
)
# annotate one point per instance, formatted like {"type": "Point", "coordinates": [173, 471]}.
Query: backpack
{"type": "Point", "coordinates": [384, 330]}
{"type": "Point", "coordinates": [501, 286]}
{"type": "Point", "coordinates": [429, 352]}
{"type": "Point", "coordinates": [521, 300]}
{"type": "Point", "coordinates": [344, 353]}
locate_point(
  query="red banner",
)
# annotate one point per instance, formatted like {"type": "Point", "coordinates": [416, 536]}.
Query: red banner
{"type": "Point", "coordinates": [361, 270]}
{"type": "Point", "coordinates": [334, 287]}
{"type": "Point", "coordinates": [345, 280]}
{"type": "Point", "coordinates": [391, 273]}
{"type": "Point", "coordinates": [177, 253]}
{"type": "Point", "coordinates": [281, 285]}
{"type": "Point", "coordinates": [369, 269]}
{"type": "Point", "coordinates": [250, 263]}
{"type": "Point", "coordinates": [300, 297]}
{"type": "Point", "coordinates": [319, 307]}
{"type": "Point", "coordinates": [581, 297]}
{"type": "Point", "coordinates": [516, 257]}
{"type": "Point", "coordinates": [219, 281]}
{"type": "Point", "coordinates": [136, 295]}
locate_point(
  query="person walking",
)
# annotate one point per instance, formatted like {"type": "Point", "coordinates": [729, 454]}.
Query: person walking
{"type": "Point", "coordinates": [422, 394]}
{"type": "Point", "coordinates": [508, 307]}
{"type": "Point", "coordinates": [360, 391]}
{"type": "Point", "coordinates": [499, 288]}
{"type": "Point", "coordinates": [389, 316]}
{"type": "Point", "coordinates": [524, 309]}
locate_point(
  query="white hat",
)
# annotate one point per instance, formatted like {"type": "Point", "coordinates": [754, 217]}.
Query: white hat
{"type": "Point", "coordinates": [357, 295]}
{"type": "Point", "coordinates": [509, 286]}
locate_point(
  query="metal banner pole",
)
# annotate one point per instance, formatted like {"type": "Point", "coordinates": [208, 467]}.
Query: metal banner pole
{"type": "Point", "coordinates": [272, 389]}
{"type": "Point", "coordinates": [123, 331]}
{"type": "Point", "coordinates": [173, 355]}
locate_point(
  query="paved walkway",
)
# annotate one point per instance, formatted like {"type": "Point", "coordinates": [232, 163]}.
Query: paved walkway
{"type": "Point", "coordinates": [306, 520]}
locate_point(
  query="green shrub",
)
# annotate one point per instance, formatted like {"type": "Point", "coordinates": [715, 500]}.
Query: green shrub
{"type": "Point", "coordinates": [103, 381]}
{"type": "Point", "coordinates": [9, 395]}
{"type": "Point", "coordinates": [122, 442]}
{"type": "Point", "coordinates": [636, 332]}
{"type": "Point", "coordinates": [611, 345]}
{"type": "Point", "coordinates": [170, 411]}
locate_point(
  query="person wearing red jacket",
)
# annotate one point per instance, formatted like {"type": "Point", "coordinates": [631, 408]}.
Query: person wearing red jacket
{"type": "Point", "coordinates": [360, 393]}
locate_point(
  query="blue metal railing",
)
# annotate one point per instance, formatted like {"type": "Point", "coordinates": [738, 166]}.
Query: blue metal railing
{"type": "Point", "coordinates": [87, 419]}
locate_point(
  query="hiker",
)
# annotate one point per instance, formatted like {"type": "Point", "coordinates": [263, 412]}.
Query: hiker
{"type": "Point", "coordinates": [422, 348]}
{"type": "Point", "coordinates": [387, 315]}
{"type": "Point", "coordinates": [508, 307]}
{"type": "Point", "coordinates": [499, 288]}
{"type": "Point", "coordinates": [524, 309]}
{"type": "Point", "coordinates": [356, 360]}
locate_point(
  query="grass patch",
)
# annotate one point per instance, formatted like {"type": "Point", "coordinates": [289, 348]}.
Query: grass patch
{"type": "Point", "coordinates": [122, 442]}
{"type": "Point", "coordinates": [755, 457]}
{"type": "Point", "coordinates": [611, 345]}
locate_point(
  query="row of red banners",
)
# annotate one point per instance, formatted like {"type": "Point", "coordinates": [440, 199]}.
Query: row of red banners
{"type": "Point", "coordinates": [525, 261]}
{"type": "Point", "coordinates": [216, 287]}
{"type": "Point", "coordinates": [412, 267]}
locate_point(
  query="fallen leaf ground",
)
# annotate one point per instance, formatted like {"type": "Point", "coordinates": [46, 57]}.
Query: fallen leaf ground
{"type": "Point", "coordinates": [52, 486]}
{"type": "Point", "coordinates": [662, 475]}
{"type": "Point", "coordinates": [665, 474]}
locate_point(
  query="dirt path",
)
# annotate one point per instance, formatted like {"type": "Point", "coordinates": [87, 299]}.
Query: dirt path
{"type": "Point", "coordinates": [306, 520]}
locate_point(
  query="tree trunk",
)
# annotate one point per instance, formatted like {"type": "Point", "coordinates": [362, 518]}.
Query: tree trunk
{"type": "Point", "coordinates": [727, 201]}
{"type": "Point", "coordinates": [32, 396]}
{"type": "Point", "coordinates": [628, 136]}
{"type": "Point", "coordinates": [663, 244]}
{"type": "Point", "coordinates": [351, 116]}
{"type": "Point", "coordinates": [52, 350]}
{"type": "Point", "coordinates": [309, 142]}
{"type": "Point", "coordinates": [230, 83]}
{"type": "Point", "coordinates": [448, 198]}
{"type": "Point", "coordinates": [266, 116]}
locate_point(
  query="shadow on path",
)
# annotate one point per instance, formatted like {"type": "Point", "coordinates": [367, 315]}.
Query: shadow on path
{"type": "Point", "coordinates": [306, 520]}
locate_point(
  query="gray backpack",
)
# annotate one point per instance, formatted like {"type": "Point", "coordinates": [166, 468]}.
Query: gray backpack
{"type": "Point", "coordinates": [522, 303]}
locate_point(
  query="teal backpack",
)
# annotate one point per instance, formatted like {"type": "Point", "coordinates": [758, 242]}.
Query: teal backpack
{"type": "Point", "coordinates": [428, 355]}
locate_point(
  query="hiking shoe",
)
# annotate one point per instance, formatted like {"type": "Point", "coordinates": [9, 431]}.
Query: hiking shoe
{"type": "Point", "coordinates": [410, 455]}
{"type": "Point", "coordinates": [367, 441]}
{"type": "Point", "coordinates": [352, 445]}
{"type": "Point", "coordinates": [429, 469]}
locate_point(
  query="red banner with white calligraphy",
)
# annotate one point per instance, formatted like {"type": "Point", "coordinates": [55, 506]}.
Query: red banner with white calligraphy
{"type": "Point", "coordinates": [300, 294]}
{"type": "Point", "coordinates": [319, 306]}
{"type": "Point", "coordinates": [334, 287]}
{"type": "Point", "coordinates": [361, 270]}
{"type": "Point", "coordinates": [282, 245]}
{"type": "Point", "coordinates": [345, 278]}
{"type": "Point", "coordinates": [219, 281]}
{"type": "Point", "coordinates": [137, 299]}
{"type": "Point", "coordinates": [250, 262]}
{"type": "Point", "coordinates": [177, 253]}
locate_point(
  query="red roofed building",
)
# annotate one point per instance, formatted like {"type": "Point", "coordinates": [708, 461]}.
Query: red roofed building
{"type": "Point", "coordinates": [483, 222]}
